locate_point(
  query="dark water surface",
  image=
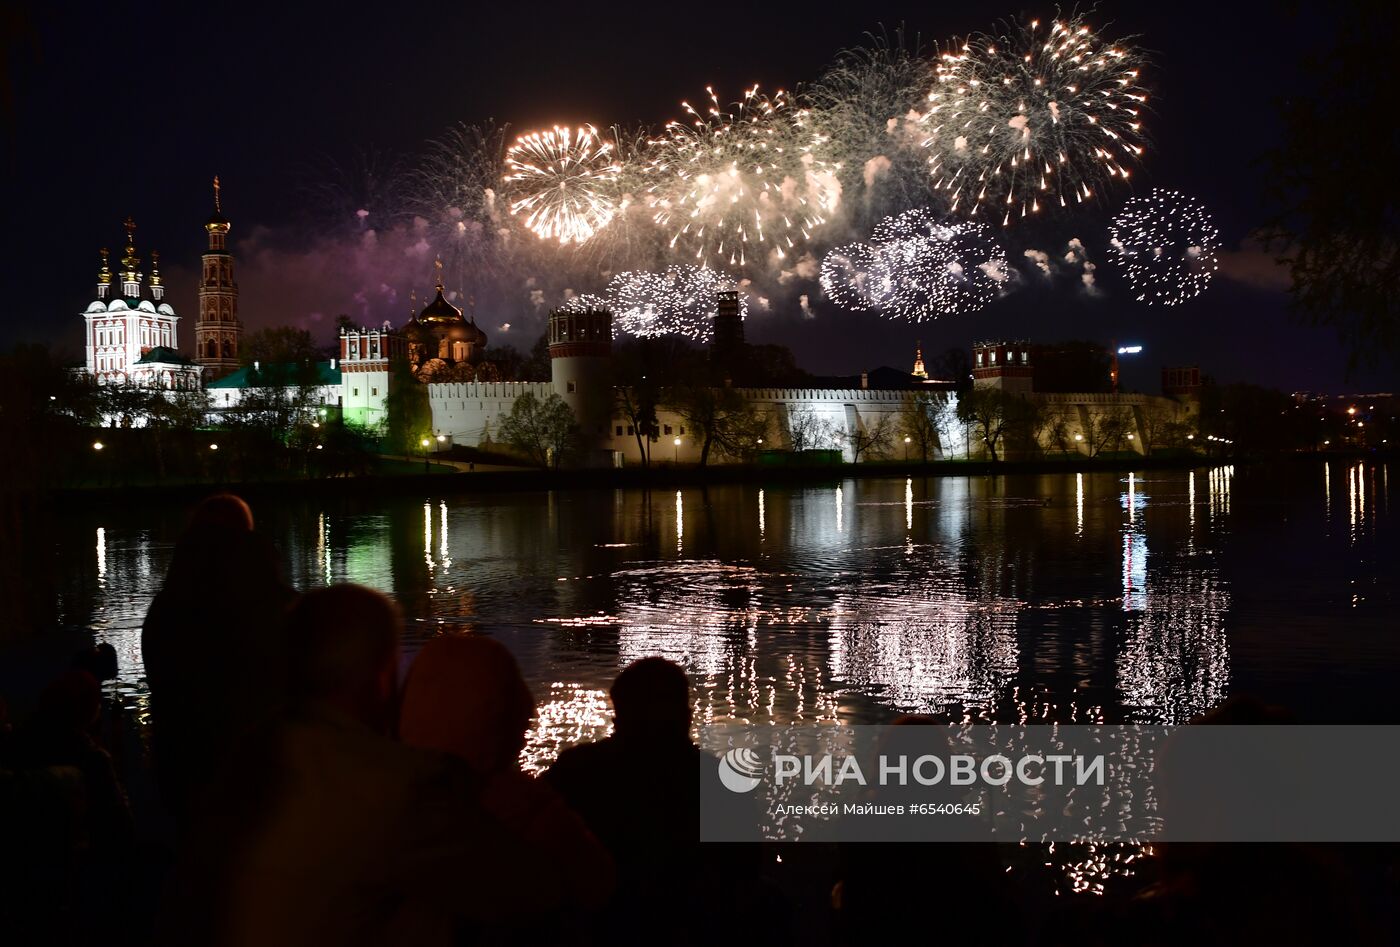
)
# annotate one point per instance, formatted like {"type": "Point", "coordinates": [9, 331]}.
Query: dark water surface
{"type": "Point", "coordinates": [1085, 598]}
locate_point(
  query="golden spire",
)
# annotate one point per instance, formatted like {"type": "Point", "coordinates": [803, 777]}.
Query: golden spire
{"type": "Point", "coordinates": [130, 261]}
{"type": "Point", "coordinates": [104, 273]}
{"type": "Point", "coordinates": [155, 268]}
{"type": "Point", "coordinates": [437, 265]}
{"type": "Point", "coordinates": [218, 209]}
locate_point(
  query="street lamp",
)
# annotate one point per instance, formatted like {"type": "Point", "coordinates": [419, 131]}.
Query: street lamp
{"type": "Point", "coordinates": [97, 445]}
{"type": "Point", "coordinates": [424, 444]}
{"type": "Point", "coordinates": [213, 446]}
{"type": "Point", "coordinates": [906, 448]}
{"type": "Point", "coordinates": [677, 444]}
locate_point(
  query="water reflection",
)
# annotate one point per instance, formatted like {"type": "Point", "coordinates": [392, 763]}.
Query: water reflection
{"type": "Point", "coordinates": [960, 595]}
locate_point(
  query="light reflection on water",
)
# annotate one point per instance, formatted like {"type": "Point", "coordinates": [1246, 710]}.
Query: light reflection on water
{"type": "Point", "coordinates": [1078, 597]}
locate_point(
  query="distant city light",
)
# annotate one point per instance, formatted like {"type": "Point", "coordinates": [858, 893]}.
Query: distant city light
{"type": "Point", "coordinates": [1129, 349]}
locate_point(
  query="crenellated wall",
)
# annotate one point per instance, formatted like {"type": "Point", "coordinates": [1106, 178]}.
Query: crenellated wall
{"type": "Point", "coordinates": [468, 412]}
{"type": "Point", "coordinates": [1072, 423]}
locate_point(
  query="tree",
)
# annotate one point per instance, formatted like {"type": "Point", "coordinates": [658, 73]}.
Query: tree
{"type": "Point", "coordinates": [1160, 425]}
{"type": "Point", "coordinates": [808, 430]}
{"type": "Point", "coordinates": [278, 346]}
{"type": "Point", "coordinates": [543, 430]}
{"type": "Point", "coordinates": [408, 417]}
{"type": "Point", "coordinates": [1108, 428]}
{"type": "Point", "coordinates": [638, 391]}
{"type": "Point", "coordinates": [721, 419]}
{"type": "Point", "coordinates": [990, 414]}
{"type": "Point", "coordinates": [1053, 429]}
{"type": "Point", "coordinates": [1336, 209]}
{"type": "Point", "coordinates": [637, 406]}
{"type": "Point", "coordinates": [536, 365]}
{"type": "Point", "coordinates": [509, 362]}
{"type": "Point", "coordinates": [953, 365]}
{"type": "Point", "coordinates": [871, 438]}
{"type": "Point", "coordinates": [918, 421]}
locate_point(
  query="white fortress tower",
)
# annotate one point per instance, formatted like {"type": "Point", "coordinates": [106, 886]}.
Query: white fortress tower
{"type": "Point", "coordinates": [367, 359]}
{"type": "Point", "coordinates": [580, 365]}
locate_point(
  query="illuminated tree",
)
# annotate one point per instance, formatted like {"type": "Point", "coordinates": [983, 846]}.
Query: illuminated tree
{"type": "Point", "coordinates": [542, 429]}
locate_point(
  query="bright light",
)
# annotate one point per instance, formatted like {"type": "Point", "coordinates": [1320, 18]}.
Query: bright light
{"type": "Point", "coordinates": [318, 446]}
{"type": "Point", "coordinates": [425, 442]}
{"type": "Point", "coordinates": [1079, 437]}
{"type": "Point", "coordinates": [1129, 349]}
{"type": "Point", "coordinates": [97, 445]}
{"type": "Point", "coordinates": [442, 438]}
{"type": "Point", "coordinates": [213, 446]}
{"type": "Point", "coordinates": [1351, 410]}
{"type": "Point", "coordinates": [906, 439]}
{"type": "Point", "coordinates": [1190, 437]}
{"type": "Point", "coordinates": [760, 440]}
{"type": "Point", "coordinates": [677, 442]}
{"type": "Point", "coordinates": [315, 423]}
{"type": "Point", "coordinates": [1130, 437]}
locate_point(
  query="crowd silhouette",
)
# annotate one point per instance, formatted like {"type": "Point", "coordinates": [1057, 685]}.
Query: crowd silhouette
{"type": "Point", "coordinates": [326, 801]}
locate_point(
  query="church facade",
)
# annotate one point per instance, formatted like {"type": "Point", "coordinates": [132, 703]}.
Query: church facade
{"type": "Point", "coordinates": [131, 331]}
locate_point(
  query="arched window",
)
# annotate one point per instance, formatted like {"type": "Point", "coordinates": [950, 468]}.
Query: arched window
{"type": "Point", "coordinates": [212, 349]}
{"type": "Point", "coordinates": [228, 349]}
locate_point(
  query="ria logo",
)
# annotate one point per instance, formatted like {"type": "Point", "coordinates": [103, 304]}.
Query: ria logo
{"type": "Point", "coordinates": [740, 769]}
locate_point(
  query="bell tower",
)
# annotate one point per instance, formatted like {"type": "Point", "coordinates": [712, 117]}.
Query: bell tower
{"type": "Point", "coordinates": [217, 331]}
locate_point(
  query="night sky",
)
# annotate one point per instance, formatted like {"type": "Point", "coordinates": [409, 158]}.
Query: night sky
{"type": "Point", "coordinates": [130, 108]}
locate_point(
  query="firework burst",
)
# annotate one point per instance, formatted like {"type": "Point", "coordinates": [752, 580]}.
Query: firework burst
{"type": "Point", "coordinates": [563, 182]}
{"type": "Point", "coordinates": [1033, 119]}
{"type": "Point", "coordinates": [738, 186]}
{"type": "Point", "coordinates": [851, 276]}
{"type": "Point", "coordinates": [919, 267]}
{"type": "Point", "coordinates": [681, 300]}
{"type": "Point", "coordinates": [1167, 243]}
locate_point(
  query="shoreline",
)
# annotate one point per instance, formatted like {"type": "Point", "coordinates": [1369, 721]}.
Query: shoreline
{"type": "Point", "coordinates": [527, 479]}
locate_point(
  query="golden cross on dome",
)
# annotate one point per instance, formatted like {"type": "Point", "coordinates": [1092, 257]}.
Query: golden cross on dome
{"type": "Point", "coordinates": [437, 265]}
{"type": "Point", "coordinates": [130, 232]}
{"type": "Point", "coordinates": [217, 208]}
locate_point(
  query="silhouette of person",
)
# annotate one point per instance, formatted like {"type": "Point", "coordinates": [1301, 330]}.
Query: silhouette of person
{"type": "Point", "coordinates": [888, 884]}
{"type": "Point", "coordinates": [639, 791]}
{"type": "Point", "coordinates": [212, 647]}
{"type": "Point", "coordinates": [1211, 892]}
{"type": "Point", "coordinates": [328, 831]}
{"type": "Point", "coordinates": [464, 696]}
